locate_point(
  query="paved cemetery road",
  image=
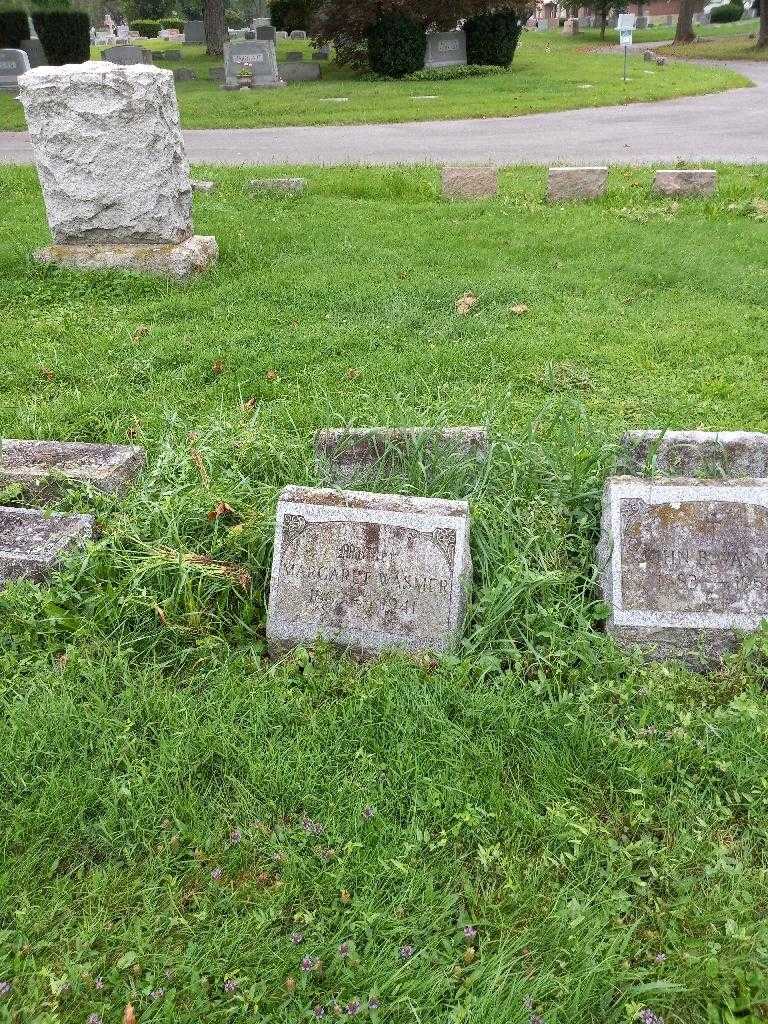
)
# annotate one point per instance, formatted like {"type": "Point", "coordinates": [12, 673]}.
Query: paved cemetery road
{"type": "Point", "coordinates": [728, 126]}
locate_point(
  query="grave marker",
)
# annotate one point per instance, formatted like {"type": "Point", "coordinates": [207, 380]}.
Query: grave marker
{"type": "Point", "coordinates": [685, 183]}
{"type": "Point", "coordinates": [684, 563]}
{"type": "Point", "coordinates": [37, 465]}
{"type": "Point", "coordinates": [344, 453]}
{"type": "Point", "coordinates": [298, 34]}
{"type": "Point", "coordinates": [469, 182]}
{"type": "Point", "coordinates": [445, 49]}
{"type": "Point", "coordinates": [256, 57]}
{"type": "Point", "coordinates": [566, 184]}
{"type": "Point", "coordinates": [112, 166]}
{"type": "Point", "coordinates": [12, 64]}
{"type": "Point", "coordinates": [695, 453]}
{"type": "Point", "coordinates": [125, 55]}
{"type": "Point", "coordinates": [32, 542]}
{"type": "Point", "coordinates": [194, 32]}
{"type": "Point", "coordinates": [368, 572]}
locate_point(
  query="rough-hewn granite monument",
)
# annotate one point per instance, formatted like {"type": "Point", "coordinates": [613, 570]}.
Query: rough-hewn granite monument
{"type": "Point", "coordinates": [368, 572]}
{"type": "Point", "coordinates": [113, 170]}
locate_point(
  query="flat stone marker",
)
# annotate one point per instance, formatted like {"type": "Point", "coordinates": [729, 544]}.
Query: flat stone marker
{"type": "Point", "coordinates": [293, 55]}
{"type": "Point", "coordinates": [37, 464]}
{"type": "Point", "coordinates": [32, 542]}
{"type": "Point", "coordinates": [368, 572]}
{"type": "Point", "coordinates": [257, 57]}
{"type": "Point", "coordinates": [287, 185]}
{"type": "Point", "coordinates": [124, 55]}
{"type": "Point", "coordinates": [266, 32]}
{"type": "Point", "coordinates": [203, 186]}
{"type": "Point", "coordinates": [299, 71]}
{"type": "Point", "coordinates": [694, 453]}
{"type": "Point", "coordinates": [298, 34]}
{"type": "Point", "coordinates": [12, 64]}
{"type": "Point", "coordinates": [685, 183]}
{"type": "Point", "coordinates": [341, 454]}
{"type": "Point", "coordinates": [113, 170]}
{"type": "Point", "coordinates": [469, 182]}
{"type": "Point", "coordinates": [445, 49]}
{"type": "Point", "coordinates": [684, 563]}
{"type": "Point", "coordinates": [569, 184]}
{"type": "Point", "coordinates": [281, 35]}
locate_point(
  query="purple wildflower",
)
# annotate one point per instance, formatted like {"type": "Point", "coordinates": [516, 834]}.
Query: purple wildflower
{"type": "Point", "coordinates": [368, 812]}
{"type": "Point", "coordinates": [157, 993]}
{"type": "Point", "coordinates": [308, 964]}
{"type": "Point", "coordinates": [5, 988]}
{"type": "Point", "coordinates": [94, 1018]}
{"type": "Point", "coordinates": [319, 1011]}
{"type": "Point", "coordinates": [660, 958]}
{"type": "Point", "coordinates": [297, 938]}
{"type": "Point", "coordinates": [313, 827]}
{"type": "Point", "coordinates": [647, 1016]}
{"type": "Point", "coordinates": [99, 983]}
{"type": "Point", "coordinates": [344, 950]}
{"type": "Point", "coordinates": [353, 1007]}
{"type": "Point", "coordinates": [374, 1003]}
{"type": "Point", "coordinates": [216, 874]}
{"type": "Point", "coordinates": [235, 835]}
{"type": "Point", "coordinates": [470, 932]}
{"type": "Point", "coordinates": [406, 952]}
{"type": "Point", "coordinates": [230, 985]}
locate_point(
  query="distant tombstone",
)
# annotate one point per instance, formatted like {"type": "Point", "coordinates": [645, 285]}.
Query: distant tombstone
{"type": "Point", "coordinates": [298, 34]}
{"type": "Point", "coordinates": [684, 563]}
{"type": "Point", "coordinates": [641, 21]}
{"type": "Point", "coordinates": [676, 183]}
{"type": "Point", "coordinates": [167, 55]}
{"type": "Point", "coordinates": [217, 73]}
{"type": "Point", "coordinates": [281, 35]}
{"type": "Point", "coordinates": [124, 55]}
{"type": "Point", "coordinates": [256, 57]}
{"type": "Point", "coordinates": [566, 184]}
{"type": "Point", "coordinates": [122, 31]}
{"type": "Point", "coordinates": [294, 55]}
{"type": "Point", "coordinates": [321, 53]}
{"type": "Point", "coordinates": [34, 51]}
{"type": "Point", "coordinates": [266, 32]}
{"type": "Point", "coordinates": [469, 182]}
{"type": "Point", "coordinates": [299, 71]}
{"type": "Point", "coordinates": [694, 453]}
{"type": "Point", "coordinates": [184, 74]}
{"type": "Point", "coordinates": [343, 453]}
{"type": "Point", "coordinates": [542, 25]}
{"type": "Point", "coordinates": [249, 34]}
{"type": "Point", "coordinates": [194, 32]}
{"type": "Point", "coordinates": [37, 466]}
{"type": "Point", "coordinates": [12, 64]}
{"type": "Point", "coordinates": [571, 27]}
{"type": "Point", "coordinates": [445, 49]}
{"type": "Point", "coordinates": [33, 541]}
{"type": "Point", "coordinates": [257, 23]}
{"type": "Point", "coordinates": [104, 39]}
{"type": "Point", "coordinates": [368, 572]}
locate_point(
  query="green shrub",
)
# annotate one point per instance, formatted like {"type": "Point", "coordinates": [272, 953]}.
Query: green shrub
{"type": "Point", "coordinates": [728, 12]}
{"type": "Point", "coordinates": [64, 35]}
{"type": "Point", "coordinates": [13, 28]}
{"type": "Point", "coordinates": [493, 38]}
{"type": "Point", "coordinates": [453, 72]}
{"type": "Point", "coordinates": [147, 27]}
{"type": "Point", "coordinates": [396, 46]}
{"type": "Point", "coordinates": [172, 23]}
{"type": "Point", "coordinates": [234, 19]}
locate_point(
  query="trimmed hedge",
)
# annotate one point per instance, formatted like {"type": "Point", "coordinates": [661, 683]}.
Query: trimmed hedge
{"type": "Point", "coordinates": [14, 27]}
{"type": "Point", "coordinates": [453, 72]}
{"type": "Point", "coordinates": [64, 35]}
{"type": "Point", "coordinates": [396, 46]}
{"type": "Point", "coordinates": [493, 38]}
{"type": "Point", "coordinates": [728, 12]}
{"type": "Point", "coordinates": [146, 27]}
{"type": "Point", "coordinates": [172, 23]}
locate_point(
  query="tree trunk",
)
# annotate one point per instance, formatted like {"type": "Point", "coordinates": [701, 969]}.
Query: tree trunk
{"type": "Point", "coordinates": [684, 32]}
{"type": "Point", "coordinates": [604, 18]}
{"type": "Point", "coordinates": [214, 27]}
{"type": "Point", "coordinates": [762, 35]}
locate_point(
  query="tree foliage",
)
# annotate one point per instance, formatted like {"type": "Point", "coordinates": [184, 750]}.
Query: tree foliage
{"type": "Point", "coordinates": [351, 20]}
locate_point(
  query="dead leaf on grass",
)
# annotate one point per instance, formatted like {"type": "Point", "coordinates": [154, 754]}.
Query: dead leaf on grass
{"type": "Point", "coordinates": [465, 302]}
{"type": "Point", "coordinates": [520, 309]}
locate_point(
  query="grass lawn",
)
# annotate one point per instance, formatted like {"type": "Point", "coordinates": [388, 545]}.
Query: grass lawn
{"type": "Point", "coordinates": [739, 48]}
{"type": "Point", "coordinates": [549, 72]}
{"type": "Point", "coordinates": [601, 823]}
